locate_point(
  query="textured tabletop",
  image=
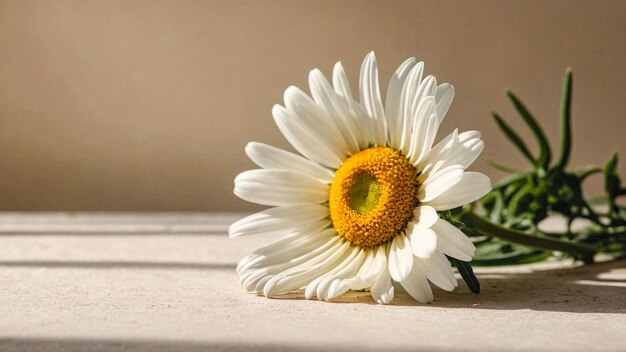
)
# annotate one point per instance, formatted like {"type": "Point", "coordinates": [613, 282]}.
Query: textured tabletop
{"type": "Point", "coordinates": [167, 282]}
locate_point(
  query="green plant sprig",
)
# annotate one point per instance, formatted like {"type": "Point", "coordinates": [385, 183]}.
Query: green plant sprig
{"type": "Point", "coordinates": [505, 223]}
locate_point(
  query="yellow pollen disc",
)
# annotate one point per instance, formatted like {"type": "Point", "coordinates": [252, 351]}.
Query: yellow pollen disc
{"type": "Point", "coordinates": [372, 196]}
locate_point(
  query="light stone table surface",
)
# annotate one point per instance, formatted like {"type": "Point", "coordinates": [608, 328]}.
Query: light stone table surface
{"type": "Point", "coordinates": [167, 282]}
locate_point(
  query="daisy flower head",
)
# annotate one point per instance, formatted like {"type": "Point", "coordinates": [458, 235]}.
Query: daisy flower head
{"type": "Point", "coordinates": [359, 207]}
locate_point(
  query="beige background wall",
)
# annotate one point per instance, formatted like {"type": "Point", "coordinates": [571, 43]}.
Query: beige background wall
{"type": "Point", "coordinates": [146, 105]}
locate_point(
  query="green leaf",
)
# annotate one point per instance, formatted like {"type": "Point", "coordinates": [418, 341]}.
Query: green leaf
{"type": "Point", "coordinates": [511, 179]}
{"type": "Point", "coordinates": [582, 174]}
{"type": "Point", "coordinates": [500, 167]}
{"type": "Point", "coordinates": [566, 120]}
{"type": "Point", "coordinates": [544, 147]}
{"type": "Point", "coordinates": [496, 213]}
{"type": "Point", "coordinates": [612, 181]}
{"type": "Point", "coordinates": [611, 164]}
{"type": "Point", "coordinates": [494, 253]}
{"type": "Point", "coordinates": [519, 202]}
{"type": "Point", "coordinates": [610, 184]}
{"type": "Point", "coordinates": [465, 269]}
{"type": "Point", "coordinates": [514, 138]}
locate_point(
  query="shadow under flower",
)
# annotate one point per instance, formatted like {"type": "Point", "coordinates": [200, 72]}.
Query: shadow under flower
{"type": "Point", "coordinates": [596, 288]}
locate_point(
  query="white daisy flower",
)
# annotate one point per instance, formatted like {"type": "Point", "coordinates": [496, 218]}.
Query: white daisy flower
{"type": "Point", "coordinates": [359, 207]}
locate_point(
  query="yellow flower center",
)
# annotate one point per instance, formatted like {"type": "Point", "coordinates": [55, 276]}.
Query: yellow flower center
{"type": "Point", "coordinates": [372, 196]}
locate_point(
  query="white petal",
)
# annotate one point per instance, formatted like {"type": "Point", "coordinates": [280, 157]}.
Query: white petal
{"type": "Point", "coordinates": [279, 187]}
{"type": "Point", "coordinates": [328, 287]}
{"type": "Point", "coordinates": [400, 258]}
{"type": "Point", "coordinates": [312, 232]}
{"type": "Point", "coordinates": [456, 149]}
{"type": "Point", "coordinates": [426, 216]}
{"type": "Point", "coordinates": [254, 278]}
{"type": "Point", "coordinates": [444, 96]}
{"type": "Point", "coordinates": [336, 108]}
{"type": "Point", "coordinates": [417, 286]}
{"type": "Point", "coordinates": [339, 286]}
{"type": "Point", "coordinates": [414, 101]}
{"type": "Point", "coordinates": [453, 242]}
{"type": "Point", "coordinates": [303, 274]}
{"type": "Point", "coordinates": [261, 284]}
{"type": "Point", "coordinates": [340, 82]}
{"type": "Point", "coordinates": [371, 269]}
{"type": "Point", "coordinates": [319, 286]}
{"type": "Point", "coordinates": [289, 257]}
{"type": "Point", "coordinates": [463, 151]}
{"type": "Point", "coordinates": [409, 90]}
{"type": "Point", "coordinates": [303, 140]}
{"type": "Point", "coordinates": [371, 100]}
{"type": "Point", "coordinates": [423, 240]}
{"type": "Point", "coordinates": [278, 219]}
{"type": "Point", "coordinates": [445, 144]}
{"type": "Point", "coordinates": [371, 273]}
{"type": "Point", "coordinates": [276, 196]}
{"type": "Point", "coordinates": [423, 139]}
{"type": "Point", "coordinates": [382, 290]}
{"type": "Point", "coordinates": [427, 88]}
{"type": "Point", "coordinates": [467, 150]}
{"type": "Point", "coordinates": [422, 129]}
{"type": "Point", "coordinates": [357, 117]}
{"type": "Point", "coordinates": [439, 271]}
{"type": "Point", "coordinates": [269, 157]}
{"type": "Point", "coordinates": [250, 280]}
{"type": "Point", "coordinates": [437, 156]}
{"type": "Point", "coordinates": [393, 103]}
{"type": "Point", "coordinates": [467, 135]}
{"type": "Point", "coordinates": [439, 183]}
{"type": "Point", "coordinates": [363, 120]}
{"type": "Point", "coordinates": [332, 289]}
{"type": "Point", "coordinates": [289, 250]}
{"type": "Point", "coordinates": [317, 121]}
{"type": "Point", "coordinates": [246, 261]}
{"type": "Point", "coordinates": [471, 187]}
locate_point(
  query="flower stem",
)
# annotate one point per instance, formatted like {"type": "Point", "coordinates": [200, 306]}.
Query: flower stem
{"type": "Point", "coordinates": [487, 228]}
